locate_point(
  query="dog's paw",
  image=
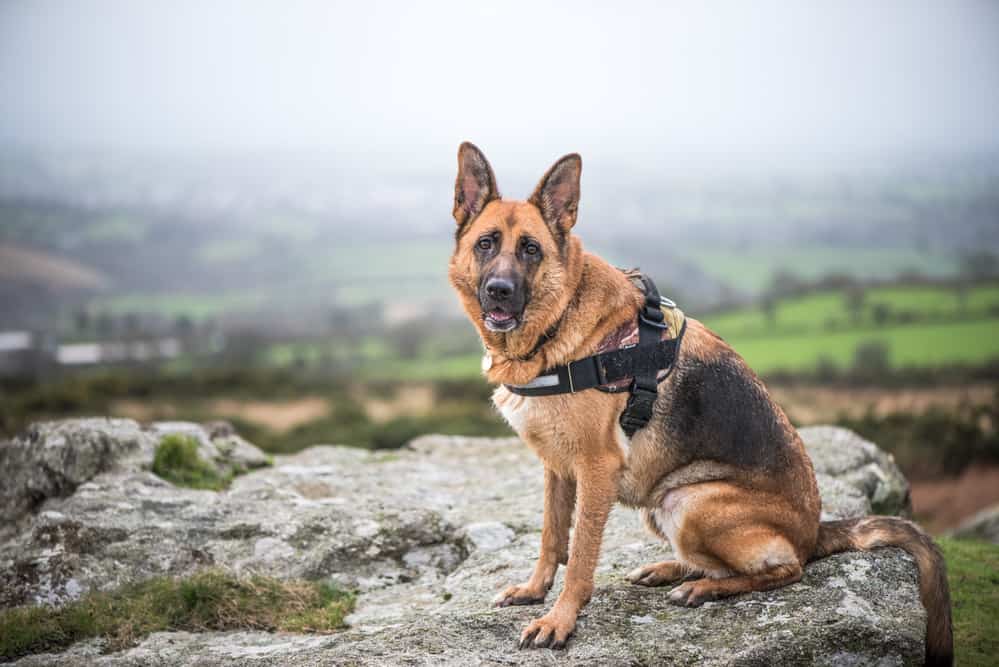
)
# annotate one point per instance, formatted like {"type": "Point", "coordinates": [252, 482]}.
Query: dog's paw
{"type": "Point", "coordinates": [519, 595]}
{"type": "Point", "coordinates": [693, 593]}
{"type": "Point", "coordinates": [550, 631]}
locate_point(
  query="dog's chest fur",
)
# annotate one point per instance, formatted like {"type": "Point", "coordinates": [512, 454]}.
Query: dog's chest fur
{"type": "Point", "coordinates": [559, 427]}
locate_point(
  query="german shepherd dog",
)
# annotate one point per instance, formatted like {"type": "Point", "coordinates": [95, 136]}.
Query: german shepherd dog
{"type": "Point", "coordinates": [719, 471]}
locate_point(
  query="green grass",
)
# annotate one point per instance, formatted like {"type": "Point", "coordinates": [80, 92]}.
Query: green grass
{"type": "Point", "coordinates": [229, 250]}
{"type": "Point", "coordinates": [828, 309]}
{"type": "Point", "coordinates": [175, 304]}
{"type": "Point", "coordinates": [177, 461]}
{"type": "Point", "coordinates": [421, 369]}
{"type": "Point", "coordinates": [116, 228]}
{"type": "Point", "coordinates": [752, 268]}
{"type": "Point", "coordinates": [932, 345]}
{"type": "Point", "coordinates": [208, 600]}
{"type": "Point", "coordinates": [973, 573]}
{"type": "Point", "coordinates": [927, 326]}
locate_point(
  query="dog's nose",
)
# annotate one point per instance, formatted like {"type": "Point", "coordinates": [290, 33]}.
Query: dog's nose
{"type": "Point", "coordinates": [500, 289]}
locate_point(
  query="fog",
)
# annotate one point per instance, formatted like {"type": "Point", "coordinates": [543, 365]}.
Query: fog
{"type": "Point", "coordinates": [400, 84]}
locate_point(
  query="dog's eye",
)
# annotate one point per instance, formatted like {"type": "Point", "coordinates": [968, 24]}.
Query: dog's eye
{"type": "Point", "coordinates": [532, 248]}
{"type": "Point", "coordinates": [485, 243]}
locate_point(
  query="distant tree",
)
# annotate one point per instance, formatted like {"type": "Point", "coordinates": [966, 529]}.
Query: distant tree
{"type": "Point", "coordinates": [183, 326]}
{"type": "Point", "coordinates": [244, 347]}
{"type": "Point", "coordinates": [328, 363]}
{"type": "Point", "coordinates": [133, 323]}
{"type": "Point", "coordinates": [872, 358]}
{"type": "Point", "coordinates": [825, 369]}
{"type": "Point", "coordinates": [105, 325]}
{"type": "Point", "coordinates": [911, 275]}
{"type": "Point", "coordinates": [961, 292]}
{"type": "Point", "coordinates": [82, 321]}
{"type": "Point", "coordinates": [407, 340]}
{"type": "Point", "coordinates": [768, 304]}
{"type": "Point", "coordinates": [854, 297]}
{"type": "Point", "coordinates": [881, 313]}
{"type": "Point", "coordinates": [835, 280]}
{"type": "Point", "coordinates": [979, 265]}
{"type": "Point", "coordinates": [784, 283]}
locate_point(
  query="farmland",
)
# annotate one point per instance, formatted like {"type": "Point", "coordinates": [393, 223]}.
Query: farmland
{"type": "Point", "coordinates": [916, 326]}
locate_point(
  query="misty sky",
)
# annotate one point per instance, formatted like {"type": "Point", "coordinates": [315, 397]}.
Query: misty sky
{"type": "Point", "coordinates": [408, 81]}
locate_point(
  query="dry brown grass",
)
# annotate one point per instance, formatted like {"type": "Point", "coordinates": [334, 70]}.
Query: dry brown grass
{"type": "Point", "coordinates": [823, 405]}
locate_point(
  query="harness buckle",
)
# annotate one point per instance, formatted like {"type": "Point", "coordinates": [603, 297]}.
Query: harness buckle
{"type": "Point", "coordinates": [638, 410]}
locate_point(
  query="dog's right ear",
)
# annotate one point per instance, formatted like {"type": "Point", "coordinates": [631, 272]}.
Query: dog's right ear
{"type": "Point", "coordinates": [475, 186]}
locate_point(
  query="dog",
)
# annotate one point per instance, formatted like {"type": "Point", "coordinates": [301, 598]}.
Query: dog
{"type": "Point", "coordinates": [718, 472]}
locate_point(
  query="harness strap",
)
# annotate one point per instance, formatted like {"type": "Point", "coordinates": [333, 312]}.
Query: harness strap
{"type": "Point", "coordinates": [644, 386]}
{"type": "Point", "coordinates": [641, 363]}
{"type": "Point", "coordinates": [600, 369]}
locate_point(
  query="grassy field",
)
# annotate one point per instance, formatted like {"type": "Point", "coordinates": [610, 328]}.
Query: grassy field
{"type": "Point", "coordinates": [919, 326]}
{"type": "Point", "coordinates": [175, 304]}
{"type": "Point", "coordinates": [829, 309]}
{"type": "Point", "coordinates": [751, 269]}
{"type": "Point", "coordinates": [907, 346]}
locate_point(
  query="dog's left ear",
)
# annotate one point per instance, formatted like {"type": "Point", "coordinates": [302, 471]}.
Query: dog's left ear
{"type": "Point", "coordinates": [557, 194]}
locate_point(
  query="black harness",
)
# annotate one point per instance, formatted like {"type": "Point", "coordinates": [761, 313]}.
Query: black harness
{"type": "Point", "coordinates": [642, 362]}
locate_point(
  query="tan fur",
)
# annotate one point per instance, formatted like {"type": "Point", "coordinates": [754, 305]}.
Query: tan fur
{"type": "Point", "coordinates": [737, 527]}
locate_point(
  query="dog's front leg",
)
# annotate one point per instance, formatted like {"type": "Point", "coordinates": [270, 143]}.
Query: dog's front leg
{"type": "Point", "coordinates": [596, 490]}
{"type": "Point", "coordinates": [560, 498]}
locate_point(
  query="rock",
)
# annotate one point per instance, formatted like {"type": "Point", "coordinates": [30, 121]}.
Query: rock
{"type": "Point", "coordinates": [489, 535]}
{"type": "Point", "coordinates": [53, 458]}
{"type": "Point", "coordinates": [841, 453]}
{"type": "Point", "coordinates": [982, 526]}
{"type": "Point", "coordinates": [428, 535]}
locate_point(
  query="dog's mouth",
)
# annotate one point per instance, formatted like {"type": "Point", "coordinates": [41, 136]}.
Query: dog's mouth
{"type": "Point", "coordinates": [499, 320]}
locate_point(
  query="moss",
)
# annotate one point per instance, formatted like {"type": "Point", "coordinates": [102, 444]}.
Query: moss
{"type": "Point", "coordinates": [973, 573]}
{"type": "Point", "coordinates": [208, 600]}
{"type": "Point", "coordinates": [178, 462]}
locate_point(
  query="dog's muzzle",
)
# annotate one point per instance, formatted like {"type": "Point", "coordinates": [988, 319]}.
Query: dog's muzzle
{"type": "Point", "coordinates": [502, 302]}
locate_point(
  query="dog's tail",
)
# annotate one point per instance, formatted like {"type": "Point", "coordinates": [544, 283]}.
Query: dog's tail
{"type": "Point", "coordinates": [882, 531]}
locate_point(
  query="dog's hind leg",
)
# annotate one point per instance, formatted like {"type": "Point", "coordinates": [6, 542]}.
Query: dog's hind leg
{"type": "Point", "coordinates": [741, 541]}
{"type": "Point", "coordinates": [697, 592]}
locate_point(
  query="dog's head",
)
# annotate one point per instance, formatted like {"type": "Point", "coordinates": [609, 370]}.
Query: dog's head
{"type": "Point", "coordinates": [512, 259]}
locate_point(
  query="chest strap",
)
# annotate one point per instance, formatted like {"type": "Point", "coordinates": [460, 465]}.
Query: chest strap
{"type": "Point", "coordinates": [641, 363]}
